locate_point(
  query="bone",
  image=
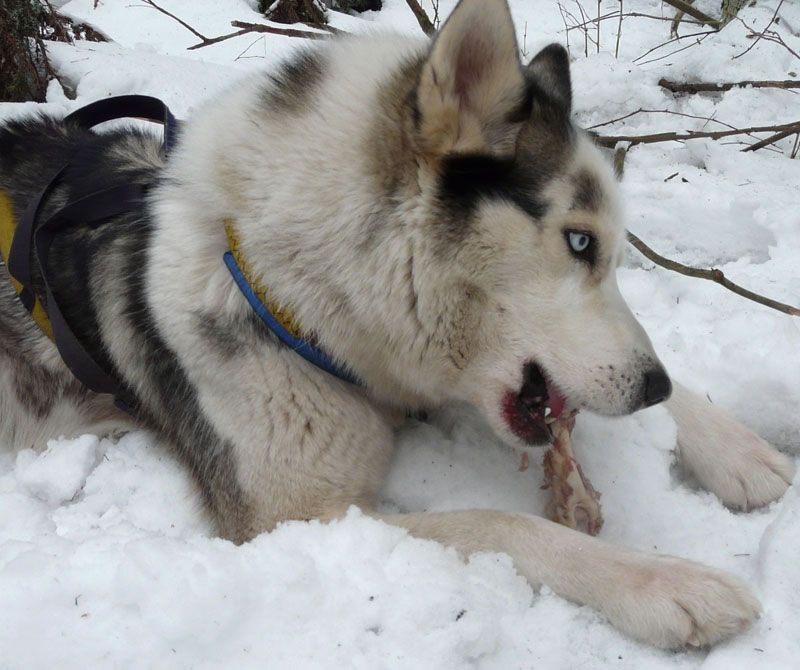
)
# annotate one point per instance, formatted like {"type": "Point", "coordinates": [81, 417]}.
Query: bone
{"type": "Point", "coordinates": [574, 502]}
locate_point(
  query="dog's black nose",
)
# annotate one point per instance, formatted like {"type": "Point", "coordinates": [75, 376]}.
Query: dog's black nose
{"type": "Point", "coordinates": [657, 387]}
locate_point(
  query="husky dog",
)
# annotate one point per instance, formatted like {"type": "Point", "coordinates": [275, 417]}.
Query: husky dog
{"type": "Point", "coordinates": [435, 224]}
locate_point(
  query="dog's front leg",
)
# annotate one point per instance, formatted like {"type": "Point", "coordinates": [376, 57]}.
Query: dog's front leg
{"type": "Point", "coordinates": [663, 600]}
{"type": "Point", "coordinates": [727, 458]}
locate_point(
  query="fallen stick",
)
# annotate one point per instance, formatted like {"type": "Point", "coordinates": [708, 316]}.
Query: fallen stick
{"type": "Point", "coordinates": [702, 87]}
{"type": "Point", "coordinates": [288, 32]}
{"type": "Point", "coordinates": [713, 274]}
{"type": "Point", "coordinates": [612, 140]}
{"type": "Point", "coordinates": [258, 28]}
{"type": "Point", "coordinates": [771, 140]}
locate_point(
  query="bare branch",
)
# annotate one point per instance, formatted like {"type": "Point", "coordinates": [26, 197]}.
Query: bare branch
{"type": "Point", "coordinates": [586, 37]}
{"type": "Point", "coordinates": [436, 20]}
{"type": "Point", "coordinates": [597, 32]}
{"type": "Point", "coordinates": [208, 41]}
{"type": "Point", "coordinates": [775, 38]}
{"type": "Point", "coordinates": [701, 87]}
{"type": "Point", "coordinates": [286, 32]}
{"type": "Point", "coordinates": [258, 28]}
{"type": "Point", "coordinates": [677, 38]}
{"type": "Point", "coordinates": [760, 35]}
{"type": "Point", "coordinates": [699, 40]}
{"type": "Point", "coordinates": [772, 139]}
{"type": "Point", "coordinates": [686, 8]}
{"type": "Point", "coordinates": [707, 119]}
{"type": "Point", "coordinates": [611, 140]}
{"type": "Point", "coordinates": [422, 17]}
{"type": "Point", "coordinates": [713, 274]}
{"type": "Point", "coordinates": [617, 15]}
{"type": "Point", "coordinates": [172, 16]}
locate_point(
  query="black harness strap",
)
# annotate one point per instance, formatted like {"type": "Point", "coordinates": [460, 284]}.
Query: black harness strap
{"type": "Point", "coordinates": [128, 107]}
{"type": "Point", "coordinates": [94, 208]}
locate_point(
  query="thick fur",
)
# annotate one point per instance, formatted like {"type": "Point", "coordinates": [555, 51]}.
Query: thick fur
{"type": "Point", "coordinates": [412, 204]}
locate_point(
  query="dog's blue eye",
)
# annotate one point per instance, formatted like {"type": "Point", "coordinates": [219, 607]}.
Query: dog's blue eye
{"type": "Point", "coordinates": [582, 245]}
{"type": "Point", "coordinates": [579, 242]}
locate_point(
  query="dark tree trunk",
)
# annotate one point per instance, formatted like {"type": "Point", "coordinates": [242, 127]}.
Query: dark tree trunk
{"type": "Point", "coordinates": [293, 11]}
{"type": "Point", "coordinates": [355, 5]}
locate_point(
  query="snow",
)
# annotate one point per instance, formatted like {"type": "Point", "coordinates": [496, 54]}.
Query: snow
{"type": "Point", "coordinates": [106, 559]}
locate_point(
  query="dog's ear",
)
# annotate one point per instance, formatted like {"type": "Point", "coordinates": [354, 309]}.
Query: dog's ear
{"type": "Point", "coordinates": [549, 70]}
{"type": "Point", "coordinates": [472, 83]}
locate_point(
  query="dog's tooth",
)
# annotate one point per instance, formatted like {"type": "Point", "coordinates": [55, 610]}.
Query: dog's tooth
{"type": "Point", "coordinates": [547, 411]}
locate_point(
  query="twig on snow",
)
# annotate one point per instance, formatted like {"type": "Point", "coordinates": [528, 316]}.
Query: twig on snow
{"type": "Point", "coordinates": [772, 139]}
{"type": "Point", "coordinates": [642, 110]}
{"type": "Point", "coordinates": [702, 87]}
{"type": "Point", "coordinates": [245, 29]}
{"type": "Point", "coordinates": [760, 35]}
{"type": "Point", "coordinates": [701, 35]}
{"type": "Point", "coordinates": [707, 119]}
{"type": "Point", "coordinates": [713, 274]}
{"type": "Point", "coordinates": [611, 140]}
{"type": "Point", "coordinates": [768, 35]}
{"type": "Point", "coordinates": [258, 28]}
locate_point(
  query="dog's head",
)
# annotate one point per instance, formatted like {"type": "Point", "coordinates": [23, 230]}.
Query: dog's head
{"type": "Point", "coordinates": [524, 235]}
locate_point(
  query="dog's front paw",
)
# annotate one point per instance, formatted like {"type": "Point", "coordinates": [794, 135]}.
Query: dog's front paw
{"type": "Point", "coordinates": [735, 464]}
{"type": "Point", "coordinates": [724, 456]}
{"type": "Point", "coordinates": [674, 603]}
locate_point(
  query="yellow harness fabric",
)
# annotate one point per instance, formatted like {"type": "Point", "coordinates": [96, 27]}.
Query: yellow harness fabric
{"type": "Point", "coordinates": [282, 315]}
{"type": "Point", "coordinates": [8, 226]}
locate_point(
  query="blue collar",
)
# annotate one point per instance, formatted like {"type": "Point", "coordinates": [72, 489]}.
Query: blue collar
{"type": "Point", "coordinates": [277, 324]}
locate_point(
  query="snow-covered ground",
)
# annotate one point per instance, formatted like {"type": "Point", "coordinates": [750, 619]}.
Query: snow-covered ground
{"type": "Point", "coordinates": [106, 559]}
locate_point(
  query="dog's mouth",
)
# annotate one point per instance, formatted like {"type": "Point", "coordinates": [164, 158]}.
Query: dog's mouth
{"type": "Point", "coordinates": [529, 411]}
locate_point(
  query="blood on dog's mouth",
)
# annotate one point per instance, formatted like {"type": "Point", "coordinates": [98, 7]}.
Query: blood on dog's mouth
{"type": "Point", "coordinates": [538, 402]}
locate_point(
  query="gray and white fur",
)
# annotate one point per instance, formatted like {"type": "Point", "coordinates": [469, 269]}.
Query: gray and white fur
{"type": "Point", "coordinates": [413, 204]}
